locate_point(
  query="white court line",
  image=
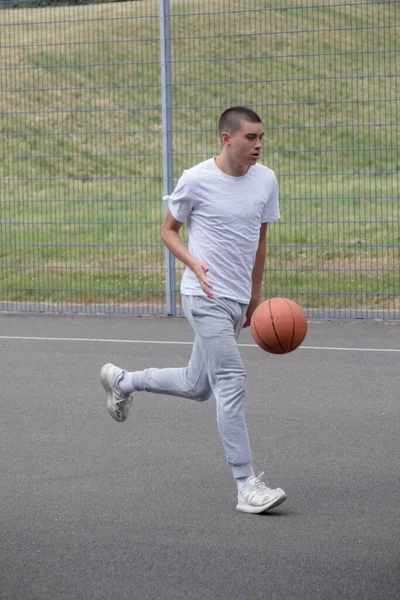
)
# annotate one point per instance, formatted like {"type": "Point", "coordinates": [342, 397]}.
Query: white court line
{"type": "Point", "coordinates": [167, 342]}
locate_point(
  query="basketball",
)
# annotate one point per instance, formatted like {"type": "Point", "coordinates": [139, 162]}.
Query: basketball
{"type": "Point", "coordinates": [278, 325]}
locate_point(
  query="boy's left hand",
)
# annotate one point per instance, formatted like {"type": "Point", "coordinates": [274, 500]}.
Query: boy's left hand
{"type": "Point", "coordinates": [254, 302]}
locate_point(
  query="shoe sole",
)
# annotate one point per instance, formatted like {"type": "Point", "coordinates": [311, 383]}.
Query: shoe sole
{"type": "Point", "coordinates": [109, 393]}
{"type": "Point", "coordinates": [255, 510]}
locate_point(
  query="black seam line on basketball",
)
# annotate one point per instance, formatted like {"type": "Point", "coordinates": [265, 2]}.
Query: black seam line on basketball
{"type": "Point", "coordinates": [273, 325]}
{"type": "Point", "coordinates": [294, 323]}
{"type": "Point", "coordinates": [269, 347]}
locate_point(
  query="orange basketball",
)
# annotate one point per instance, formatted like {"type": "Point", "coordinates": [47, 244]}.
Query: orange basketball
{"type": "Point", "coordinates": [278, 325]}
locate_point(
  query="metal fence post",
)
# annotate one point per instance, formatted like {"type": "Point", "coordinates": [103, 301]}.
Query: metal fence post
{"type": "Point", "coordinates": [165, 56]}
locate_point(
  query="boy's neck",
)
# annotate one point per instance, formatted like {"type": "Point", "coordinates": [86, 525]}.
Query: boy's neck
{"type": "Point", "coordinates": [230, 167]}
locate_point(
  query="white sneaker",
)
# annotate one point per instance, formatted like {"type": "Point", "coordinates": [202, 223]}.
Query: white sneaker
{"type": "Point", "coordinates": [256, 497]}
{"type": "Point", "coordinates": [118, 403]}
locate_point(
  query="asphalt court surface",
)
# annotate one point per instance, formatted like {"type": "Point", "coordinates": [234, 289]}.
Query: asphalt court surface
{"type": "Point", "coordinates": [96, 510]}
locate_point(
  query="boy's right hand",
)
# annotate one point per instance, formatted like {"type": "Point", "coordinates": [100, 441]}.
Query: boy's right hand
{"type": "Point", "coordinates": [200, 269]}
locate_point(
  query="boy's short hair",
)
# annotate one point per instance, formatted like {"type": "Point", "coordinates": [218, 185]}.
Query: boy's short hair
{"type": "Point", "coordinates": [231, 118]}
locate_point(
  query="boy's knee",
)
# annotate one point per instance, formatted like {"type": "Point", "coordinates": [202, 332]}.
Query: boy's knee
{"type": "Point", "coordinates": [237, 380]}
{"type": "Point", "coordinates": [203, 394]}
{"type": "Point", "coordinates": [233, 389]}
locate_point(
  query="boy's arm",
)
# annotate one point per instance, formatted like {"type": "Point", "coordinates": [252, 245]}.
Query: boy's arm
{"type": "Point", "coordinates": [173, 241]}
{"type": "Point", "coordinates": [258, 272]}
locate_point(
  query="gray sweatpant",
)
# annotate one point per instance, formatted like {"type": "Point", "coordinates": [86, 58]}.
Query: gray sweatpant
{"type": "Point", "coordinates": [215, 367]}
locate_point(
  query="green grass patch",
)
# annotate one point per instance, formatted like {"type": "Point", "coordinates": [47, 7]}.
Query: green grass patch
{"type": "Point", "coordinates": [81, 144]}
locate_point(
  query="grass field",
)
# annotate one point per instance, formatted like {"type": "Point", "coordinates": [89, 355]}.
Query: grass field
{"type": "Point", "coordinates": [81, 143]}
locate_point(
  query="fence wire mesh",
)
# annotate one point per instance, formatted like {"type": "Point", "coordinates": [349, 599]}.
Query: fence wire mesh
{"type": "Point", "coordinates": [82, 164]}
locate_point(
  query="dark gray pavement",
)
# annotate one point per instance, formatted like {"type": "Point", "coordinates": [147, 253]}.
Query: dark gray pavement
{"type": "Point", "coordinates": [95, 510]}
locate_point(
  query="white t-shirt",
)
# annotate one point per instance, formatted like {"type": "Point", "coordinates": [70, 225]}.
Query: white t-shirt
{"type": "Point", "coordinates": [224, 215]}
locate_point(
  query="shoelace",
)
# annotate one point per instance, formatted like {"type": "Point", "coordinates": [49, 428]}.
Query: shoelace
{"type": "Point", "coordinates": [256, 491]}
{"type": "Point", "coordinates": [125, 400]}
{"type": "Point", "coordinates": [258, 485]}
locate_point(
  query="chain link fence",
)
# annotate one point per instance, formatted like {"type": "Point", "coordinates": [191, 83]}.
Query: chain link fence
{"type": "Point", "coordinates": [104, 105]}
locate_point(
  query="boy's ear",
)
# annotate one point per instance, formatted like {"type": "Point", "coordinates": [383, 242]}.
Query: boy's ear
{"type": "Point", "coordinates": [226, 138]}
